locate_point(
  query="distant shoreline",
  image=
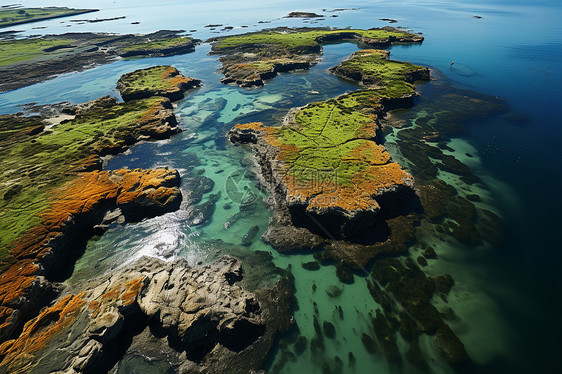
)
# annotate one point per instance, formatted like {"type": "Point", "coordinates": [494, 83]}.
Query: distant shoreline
{"type": "Point", "coordinates": [71, 12]}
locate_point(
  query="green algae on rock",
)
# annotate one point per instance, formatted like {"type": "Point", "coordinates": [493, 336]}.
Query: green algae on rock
{"type": "Point", "coordinates": [251, 58]}
{"type": "Point", "coordinates": [165, 81]}
{"type": "Point", "coordinates": [27, 61]}
{"type": "Point", "coordinates": [17, 16]}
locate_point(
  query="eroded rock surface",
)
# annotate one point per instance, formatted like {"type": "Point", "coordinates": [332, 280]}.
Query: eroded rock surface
{"type": "Point", "coordinates": [327, 163]}
{"type": "Point", "coordinates": [207, 318]}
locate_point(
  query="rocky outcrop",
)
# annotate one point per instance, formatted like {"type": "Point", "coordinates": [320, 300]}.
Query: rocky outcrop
{"type": "Point", "coordinates": [202, 311]}
{"type": "Point", "coordinates": [327, 165]}
{"type": "Point", "coordinates": [236, 69]}
{"type": "Point", "coordinates": [303, 15]}
{"type": "Point", "coordinates": [64, 198]}
{"type": "Point", "coordinates": [175, 46]}
{"type": "Point", "coordinates": [165, 81]}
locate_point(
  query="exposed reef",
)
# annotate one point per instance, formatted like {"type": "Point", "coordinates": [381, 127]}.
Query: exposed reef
{"type": "Point", "coordinates": [165, 81]}
{"type": "Point", "coordinates": [327, 165]}
{"type": "Point", "coordinates": [36, 59]}
{"type": "Point", "coordinates": [251, 58]}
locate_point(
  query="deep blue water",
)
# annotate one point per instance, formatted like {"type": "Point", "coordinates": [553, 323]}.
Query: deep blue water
{"type": "Point", "coordinates": [514, 52]}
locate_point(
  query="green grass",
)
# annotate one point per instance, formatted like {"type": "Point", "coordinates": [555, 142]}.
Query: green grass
{"type": "Point", "coordinates": [160, 44]}
{"type": "Point", "coordinates": [10, 17]}
{"type": "Point", "coordinates": [296, 40]}
{"type": "Point", "coordinates": [32, 166]}
{"type": "Point", "coordinates": [24, 50]}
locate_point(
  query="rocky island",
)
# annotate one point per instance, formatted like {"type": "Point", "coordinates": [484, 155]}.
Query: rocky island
{"type": "Point", "coordinates": [336, 189]}
{"type": "Point", "coordinates": [326, 162]}
{"type": "Point", "coordinates": [249, 59]}
{"type": "Point", "coordinates": [164, 81]}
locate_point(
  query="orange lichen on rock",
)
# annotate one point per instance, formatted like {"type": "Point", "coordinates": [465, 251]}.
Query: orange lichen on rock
{"type": "Point", "coordinates": [101, 311]}
{"type": "Point", "coordinates": [152, 189]}
{"type": "Point", "coordinates": [139, 193]}
{"type": "Point", "coordinates": [326, 158]}
{"type": "Point", "coordinates": [132, 291]}
{"type": "Point", "coordinates": [38, 332]}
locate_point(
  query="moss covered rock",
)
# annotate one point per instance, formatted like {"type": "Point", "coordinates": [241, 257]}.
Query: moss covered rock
{"type": "Point", "coordinates": [162, 80]}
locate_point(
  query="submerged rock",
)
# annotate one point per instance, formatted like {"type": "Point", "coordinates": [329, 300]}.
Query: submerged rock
{"type": "Point", "coordinates": [249, 237]}
{"type": "Point", "coordinates": [312, 265]}
{"type": "Point", "coordinates": [450, 347]}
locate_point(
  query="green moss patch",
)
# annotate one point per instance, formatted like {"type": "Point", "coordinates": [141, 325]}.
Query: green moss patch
{"type": "Point", "coordinates": [17, 51]}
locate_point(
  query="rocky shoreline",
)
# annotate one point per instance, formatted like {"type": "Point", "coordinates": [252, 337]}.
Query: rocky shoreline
{"type": "Point", "coordinates": [83, 202]}
{"type": "Point", "coordinates": [79, 51]}
{"type": "Point", "coordinates": [202, 317]}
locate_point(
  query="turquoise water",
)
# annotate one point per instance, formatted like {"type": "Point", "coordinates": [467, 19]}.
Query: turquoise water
{"type": "Point", "coordinates": [507, 296]}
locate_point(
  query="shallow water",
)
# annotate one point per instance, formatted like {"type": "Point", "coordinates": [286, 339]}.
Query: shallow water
{"type": "Point", "coordinates": [507, 296]}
